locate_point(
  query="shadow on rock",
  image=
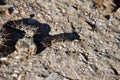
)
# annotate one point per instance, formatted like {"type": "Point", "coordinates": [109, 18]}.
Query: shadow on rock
{"type": "Point", "coordinates": [2, 2]}
{"type": "Point", "coordinates": [28, 27]}
{"type": "Point", "coordinates": [117, 3]}
{"type": "Point", "coordinates": [11, 36]}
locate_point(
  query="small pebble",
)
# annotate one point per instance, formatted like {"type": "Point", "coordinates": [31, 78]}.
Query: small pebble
{"type": "Point", "coordinates": [6, 11]}
{"type": "Point", "coordinates": [14, 75]}
{"type": "Point", "coordinates": [4, 59]}
{"type": "Point", "coordinates": [22, 12]}
{"type": "Point", "coordinates": [15, 12]}
{"type": "Point", "coordinates": [17, 57]}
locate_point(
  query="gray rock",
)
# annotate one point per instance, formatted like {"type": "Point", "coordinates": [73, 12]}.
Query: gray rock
{"type": "Point", "coordinates": [53, 76]}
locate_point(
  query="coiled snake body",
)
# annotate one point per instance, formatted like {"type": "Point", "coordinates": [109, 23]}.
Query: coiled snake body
{"type": "Point", "coordinates": [29, 36]}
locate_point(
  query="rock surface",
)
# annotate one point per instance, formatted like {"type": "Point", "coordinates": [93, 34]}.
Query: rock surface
{"type": "Point", "coordinates": [84, 37]}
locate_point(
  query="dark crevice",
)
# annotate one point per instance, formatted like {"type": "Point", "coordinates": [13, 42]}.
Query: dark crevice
{"type": "Point", "coordinates": [76, 8]}
{"type": "Point", "coordinates": [114, 70]}
{"type": "Point", "coordinates": [85, 57]}
{"type": "Point", "coordinates": [117, 3]}
{"type": "Point", "coordinates": [107, 17]}
{"type": "Point", "coordinates": [96, 50]}
{"type": "Point", "coordinates": [93, 26]}
{"type": "Point", "coordinates": [65, 76]}
{"type": "Point", "coordinates": [2, 2]}
{"type": "Point", "coordinates": [111, 57]}
{"type": "Point", "coordinates": [93, 67]}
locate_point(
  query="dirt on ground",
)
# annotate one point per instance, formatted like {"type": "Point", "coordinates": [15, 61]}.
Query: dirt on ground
{"type": "Point", "coordinates": [59, 39]}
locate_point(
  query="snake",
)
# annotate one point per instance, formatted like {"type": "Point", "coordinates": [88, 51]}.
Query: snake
{"type": "Point", "coordinates": [15, 33]}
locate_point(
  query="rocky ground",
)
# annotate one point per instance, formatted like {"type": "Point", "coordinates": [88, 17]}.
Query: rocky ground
{"type": "Point", "coordinates": [94, 56]}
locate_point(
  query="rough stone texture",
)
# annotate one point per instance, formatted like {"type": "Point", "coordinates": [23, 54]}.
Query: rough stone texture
{"type": "Point", "coordinates": [94, 56]}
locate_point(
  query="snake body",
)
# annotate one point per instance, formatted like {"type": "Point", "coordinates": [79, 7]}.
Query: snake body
{"type": "Point", "coordinates": [19, 33]}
